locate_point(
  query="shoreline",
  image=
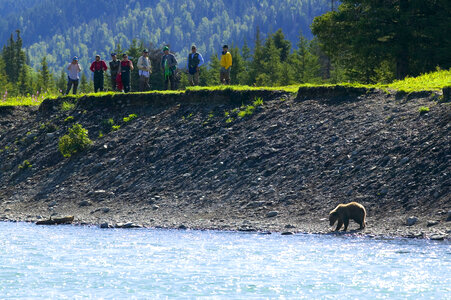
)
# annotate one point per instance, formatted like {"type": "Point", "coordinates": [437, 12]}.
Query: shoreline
{"type": "Point", "coordinates": [223, 160]}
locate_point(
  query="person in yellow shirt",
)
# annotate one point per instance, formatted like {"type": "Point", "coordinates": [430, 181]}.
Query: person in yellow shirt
{"type": "Point", "coordinates": [226, 65]}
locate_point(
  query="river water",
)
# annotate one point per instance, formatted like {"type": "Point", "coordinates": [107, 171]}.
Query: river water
{"type": "Point", "coordinates": [74, 262]}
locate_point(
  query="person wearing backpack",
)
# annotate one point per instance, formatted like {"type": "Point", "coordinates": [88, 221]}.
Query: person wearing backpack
{"type": "Point", "coordinates": [169, 66]}
{"type": "Point", "coordinates": [195, 60]}
{"type": "Point", "coordinates": [98, 67]}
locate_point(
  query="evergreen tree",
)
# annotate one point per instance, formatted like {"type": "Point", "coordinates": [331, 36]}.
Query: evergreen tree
{"type": "Point", "coordinates": [45, 77]}
{"type": "Point", "coordinates": [238, 66]}
{"type": "Point", "coordinates": [365, 36]}
{"type": "Point", "coordinates": [282, 44]}
{"type": "Point", "coordinates": [213, 73]}
{"type": "Point", "coordinates": [85, 87]}
{"type": "Point", "coordinates": [61, 82]}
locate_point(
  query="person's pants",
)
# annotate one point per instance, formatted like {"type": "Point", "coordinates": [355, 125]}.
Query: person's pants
{"type": "Point", "coordinates": [126, 81]}
{"type": "Point", "coordinates": [143, 83]}
{"type": "Point", "coordinates": [70, 83]}
{"type": "Point", "coordinates": [98, 81]}
{"type": "Point", "coordinates": [193, 79]}
{"type": "Point", "coordinates": [170, 78]}
{"type": "Point", "coordinates": [113, 81]}
{"type": "Point", "coordinates": [224, 75]}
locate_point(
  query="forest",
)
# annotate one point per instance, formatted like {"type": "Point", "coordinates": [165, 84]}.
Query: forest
{"type": "Point", "coordinates": [61, 29]}
{"type": "Point", "coordinates": [358, 41]}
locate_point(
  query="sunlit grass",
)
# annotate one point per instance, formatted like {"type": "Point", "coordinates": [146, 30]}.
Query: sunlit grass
{"type": "Point", "coordinates": [434, 81]}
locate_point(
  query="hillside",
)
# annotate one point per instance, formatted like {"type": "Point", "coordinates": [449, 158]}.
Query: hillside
{"type": "Point", "coordinates": [62, 29]}
{"type": "Point", "coordinates": [195, 160]}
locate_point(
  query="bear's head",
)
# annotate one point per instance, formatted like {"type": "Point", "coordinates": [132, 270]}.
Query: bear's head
{"type": "Point", "coordinates": [333, 216]}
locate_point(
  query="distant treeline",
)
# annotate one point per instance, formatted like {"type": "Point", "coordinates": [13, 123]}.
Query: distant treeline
{"type": "Point", "coordinates": [361, 41]}
{"type": "Point", "coordinates": [61, 29]}
{"type": "Point", "coordinates": [272, 62]}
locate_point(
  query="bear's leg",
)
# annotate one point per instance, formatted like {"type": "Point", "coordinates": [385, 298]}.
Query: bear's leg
{"type": "Point", "coordinates": [339, 224]}
{"type": "Point", "coordinates": [362, 224]}
{"type": "Point", "coordinates": [346, 221]}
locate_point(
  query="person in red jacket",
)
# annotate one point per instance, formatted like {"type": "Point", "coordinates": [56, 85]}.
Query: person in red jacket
{"type": "Point", "coordinates": [98, 67]}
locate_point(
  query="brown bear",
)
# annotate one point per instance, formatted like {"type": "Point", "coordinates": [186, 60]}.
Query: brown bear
{"type": "Point", "coordinates": [344, 212]}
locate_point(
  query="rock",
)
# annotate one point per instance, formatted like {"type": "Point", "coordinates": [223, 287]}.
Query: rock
{"type": "Point", "coordinates": [448, 218]}
{"type": "Point", "coordinates": [289, 226]}
{"type": "Point", "coordinates": [105, 210]}
{"type": "Point", "coordinates": [432, 223]}
{"type": "Point", "coordinates": [287, 233]}
{"type": "Point", "coordinates": [84, 203]}
{"type": "Point", "coordinates": [437, 237]}
{"type": "Point", "coordinates": [127, 225]}
{"type": "Point", "coordinates": [411, 221]}
{"type": "Point", "coordinates": [404, 160]}
{"type": "Point", "coordinates": [272, 214]}
{"type": "Point", "coordinates": [104, 225]}
{"type": "Point", "coordinates": [183, 227]}
{"type": "Point", "coordinates": [51, 204]}
{"type": "Point", "coordinates": [155, 207]}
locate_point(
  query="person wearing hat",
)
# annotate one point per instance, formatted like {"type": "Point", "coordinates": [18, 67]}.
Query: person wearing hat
{"type": "Point", "coordinates": [73, 77]}
{"type": "Point", "coordinates": [125, 69]}
{"type": "Point", "coordinates": [169, 66]}
{"type": "Point", "coordinates": [144, 70]}
{"type": "Point", "coordinates": [226, 65]}
{"type": "Point", "coordinates": [114, 69]}
{"type": "Point", "coordinates": [98, 67]}
{"type": "Point", "coordinates": [195, 60]}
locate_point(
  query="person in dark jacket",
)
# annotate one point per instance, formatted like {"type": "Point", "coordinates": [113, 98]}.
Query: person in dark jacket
{"type": "Point", "coordinates": [125, 69]}
{"type": "Point", "coordinates": [98, 67]}
{"type": "Point", "coordinates": [169, 66]}
{"type": "Point", "coordinates": [195, 60]}
{"type": "Point", "coordinates": [114, 69]}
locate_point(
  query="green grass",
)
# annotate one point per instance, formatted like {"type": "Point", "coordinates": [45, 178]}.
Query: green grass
{"type": "Point", "coordinates": [433, 81]}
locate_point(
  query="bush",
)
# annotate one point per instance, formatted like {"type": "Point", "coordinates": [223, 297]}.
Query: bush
{"type": "Point", "coordinates": [76, 141]}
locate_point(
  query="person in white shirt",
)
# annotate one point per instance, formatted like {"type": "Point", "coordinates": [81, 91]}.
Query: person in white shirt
{"type": "Point", "coordinates": [73, 77]}
{"type": "Point", "coordinates": [145, 68]}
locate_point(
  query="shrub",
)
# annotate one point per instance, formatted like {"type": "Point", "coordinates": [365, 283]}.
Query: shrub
{"type": "Point", "coordinates": [423, 110]}
{"type": "Point", "coordinates": [25, 165]}
{"type": "Point", "coordinates": [75, 141]}
{"type": "Point", "coordinates": [130, 118]}
{"type": "Point", "coordinates": [67, 105]}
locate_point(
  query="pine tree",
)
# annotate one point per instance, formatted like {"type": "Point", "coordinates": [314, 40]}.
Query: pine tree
{"type": "Point", "coordinates": [213, 73]}
{"type": "Point", "coordinates": [45, 77]}
{"type": "Point", "coordinates": [85, 87]}
{"type": "Point", "coordinates": [61, 82]}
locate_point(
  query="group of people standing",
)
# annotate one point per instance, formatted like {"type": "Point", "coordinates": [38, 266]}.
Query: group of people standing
{"type": "Point", "coordinates": [120, 70]}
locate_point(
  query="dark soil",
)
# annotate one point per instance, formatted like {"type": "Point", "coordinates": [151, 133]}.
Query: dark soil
{"type": "Point", "coordinates": [189, 161]}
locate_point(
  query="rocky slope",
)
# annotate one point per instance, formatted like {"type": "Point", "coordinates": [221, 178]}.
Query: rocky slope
{"type": "Point", "coordinates": [191, 161]}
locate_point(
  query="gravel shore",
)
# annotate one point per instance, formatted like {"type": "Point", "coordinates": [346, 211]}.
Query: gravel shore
{"type": "Point", "coordinates": [193, 161]}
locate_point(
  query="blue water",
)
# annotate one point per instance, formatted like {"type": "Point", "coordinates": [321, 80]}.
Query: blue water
{"type": "Point", "coordinates": [69, 262]}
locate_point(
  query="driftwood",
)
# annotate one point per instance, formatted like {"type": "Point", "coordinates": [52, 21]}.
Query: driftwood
{"type": "Point", "coordinates": [56, 221]}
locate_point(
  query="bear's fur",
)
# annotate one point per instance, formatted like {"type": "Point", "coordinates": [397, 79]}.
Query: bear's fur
{"type": "Point", "coordinates": [344, 212]}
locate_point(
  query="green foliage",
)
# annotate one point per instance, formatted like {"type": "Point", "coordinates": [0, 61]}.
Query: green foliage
{"type": "Point", "coordinates": [107, 124]}
{"type": "Point", "coordinates": [48, 127]}
{"type": "Point", "coordinates": [75, 141]}
{"type": "Point", "coordinates": [130, 118]}
{"type": "Point", "coordinates": [69, 119]}
{"type": "Point", "coordinates": [25, 165]}
{"type": "Point", "coordinates": [66, 105]}
{"type": "Point", "coordinates": [115, 127]}
{"type": "Point", "coordinates": [423, 110]}
{"type": "Point", "coordinates": [377, 40]}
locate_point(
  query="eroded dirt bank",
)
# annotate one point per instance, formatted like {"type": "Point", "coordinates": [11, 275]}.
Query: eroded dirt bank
{"type": "Point", "coordinates": [190, 161]}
